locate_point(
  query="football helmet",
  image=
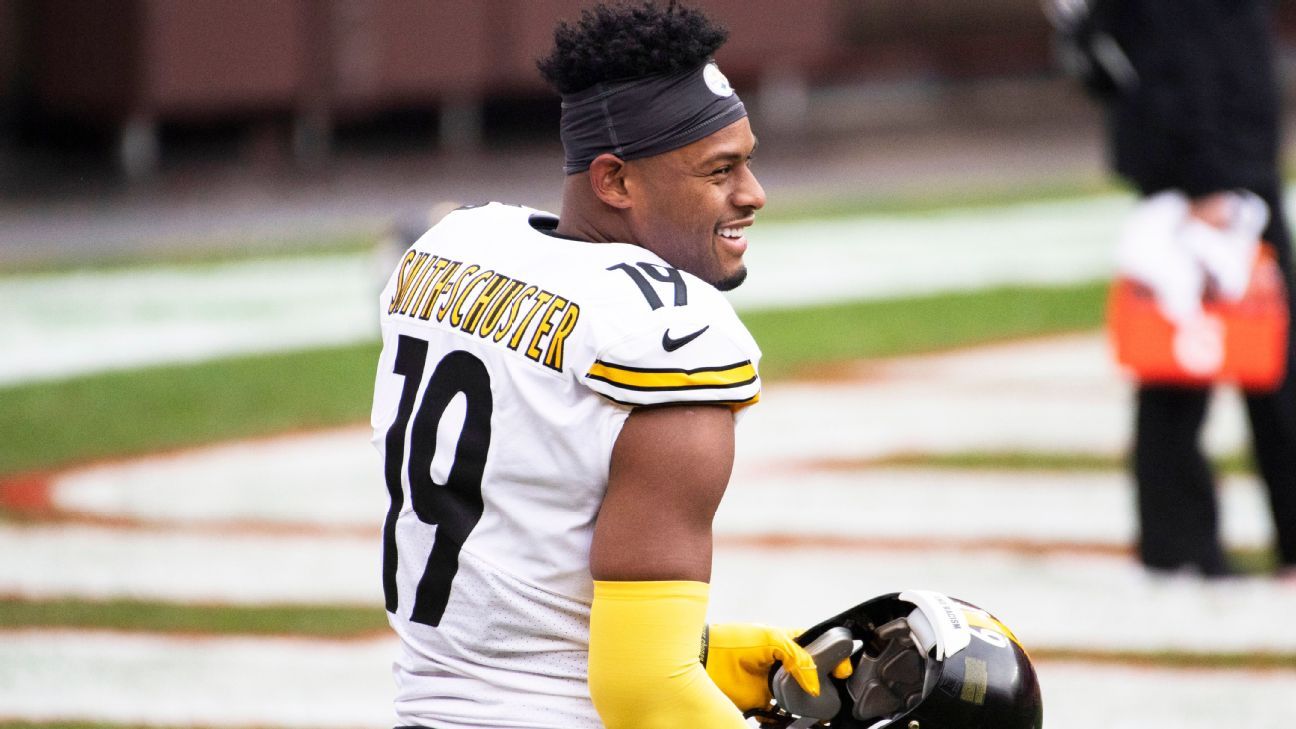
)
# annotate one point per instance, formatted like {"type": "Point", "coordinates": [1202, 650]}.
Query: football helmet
{"type": "Point", "coordinates": [922, 660]}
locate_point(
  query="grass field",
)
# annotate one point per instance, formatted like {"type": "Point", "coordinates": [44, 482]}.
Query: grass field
{"type": "Point", "coordinates": [52, 424]}
{"type": "Point", "coordinates": [320, 621]}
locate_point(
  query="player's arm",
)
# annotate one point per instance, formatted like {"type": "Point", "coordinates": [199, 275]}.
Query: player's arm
{"type": "Point", "coordinates": [651, 561]}
{"type": "Point", "coordinates": [669, 469]}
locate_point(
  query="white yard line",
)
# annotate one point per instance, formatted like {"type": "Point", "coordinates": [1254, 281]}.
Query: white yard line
{"type": "Point", "coordinates": [94, 562]}
{"type": "Point", "coordinates": [332, 480]}
{"type": "Point", "coordinates": [56, 325]}
{"type": "Point", "coordinates": [914, 504]}
{"type": "Point", "coordinates": [1078, 696]}
{"type": "Point", "coordinates": [87, 676]}
{"type": "Point", "coordinates": [1049, 395]}
{"type": "Point", "coordinates": [898, 255]}
{"type": "Point", "coordinates": [143, 679]}
{"type": "Point", "coordinates": [1050, 600]}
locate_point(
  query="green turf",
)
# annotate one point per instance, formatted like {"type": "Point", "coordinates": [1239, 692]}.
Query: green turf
{"type": "Point", "coordinates": [1029, 461]}
{"type": "Point", "coordinates": [1260, 660]}
{"type": "Point", "coordinates": [161, 617]}
{"type": "Point", "coordinates": [796, 340]}
{"type": "Point", "coordinates": [45, 425]}
{"type": "Point", "coordinates": [1253, 561]}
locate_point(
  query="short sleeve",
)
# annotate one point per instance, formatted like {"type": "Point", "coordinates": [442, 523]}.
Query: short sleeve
{"type": "Point", "coordinates": [700, 353]}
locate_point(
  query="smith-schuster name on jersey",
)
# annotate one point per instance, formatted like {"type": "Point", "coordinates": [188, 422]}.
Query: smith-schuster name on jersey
{"type": "Point", "coordinates": [510, 361]}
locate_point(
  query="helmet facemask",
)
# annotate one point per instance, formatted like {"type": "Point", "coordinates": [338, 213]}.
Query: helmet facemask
{"type": "Point", "coordinates": [921, 660]}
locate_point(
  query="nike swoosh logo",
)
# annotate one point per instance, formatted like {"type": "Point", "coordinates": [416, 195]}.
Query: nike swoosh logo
{"type": "Point", "coordinates": [670, 344]}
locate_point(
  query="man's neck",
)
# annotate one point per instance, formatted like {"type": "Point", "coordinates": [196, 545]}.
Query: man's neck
{"type": "Point", "coordinates": [586, 218]}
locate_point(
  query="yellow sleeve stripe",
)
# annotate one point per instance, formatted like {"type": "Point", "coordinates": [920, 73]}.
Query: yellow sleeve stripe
{"type": "Point", "coordinates": [640, 378]}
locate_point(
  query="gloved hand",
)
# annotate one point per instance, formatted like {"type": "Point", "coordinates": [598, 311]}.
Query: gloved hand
{"type": "Point", "coordinates": [740, 655]}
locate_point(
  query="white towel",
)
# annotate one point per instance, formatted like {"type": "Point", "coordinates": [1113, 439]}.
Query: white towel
{"type": "Point", "coordinates": [1228, 254]}
{"type": "Point", "coordinates": [1150, 252]}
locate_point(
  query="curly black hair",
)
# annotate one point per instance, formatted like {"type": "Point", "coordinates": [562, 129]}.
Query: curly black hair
{"type": "Point", "coordinates": [626, 41]}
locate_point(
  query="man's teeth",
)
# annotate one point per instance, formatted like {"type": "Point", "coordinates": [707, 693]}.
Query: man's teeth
{"type": "Point", "coordinates": [731, 232]}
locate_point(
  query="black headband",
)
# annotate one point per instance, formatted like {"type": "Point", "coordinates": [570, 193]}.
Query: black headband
{"type": "Point", "coordinates": [646, 116]}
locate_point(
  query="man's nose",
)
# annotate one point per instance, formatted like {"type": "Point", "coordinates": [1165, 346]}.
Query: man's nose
{"type": "Point", "coordinates": [749, 193]}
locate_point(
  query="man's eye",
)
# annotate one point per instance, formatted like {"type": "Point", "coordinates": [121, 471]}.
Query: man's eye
{"type": "Point", "coordinates": [723, 170]}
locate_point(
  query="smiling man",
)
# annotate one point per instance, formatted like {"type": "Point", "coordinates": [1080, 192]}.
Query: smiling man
{"type": "Point", "coordinates": [690, 206]}
{"type": "Point", "coordinates": [555, 406]}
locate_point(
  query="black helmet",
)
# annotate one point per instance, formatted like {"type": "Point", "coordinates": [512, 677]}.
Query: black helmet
{"type": "Point", "coordinates": [922, 660]}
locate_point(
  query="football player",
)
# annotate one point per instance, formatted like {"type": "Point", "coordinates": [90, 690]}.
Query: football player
{"type": "Point", "coordinates": [555, 404]}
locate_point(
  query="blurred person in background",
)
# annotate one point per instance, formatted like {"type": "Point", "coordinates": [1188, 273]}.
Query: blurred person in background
{"type": "Point", "coordinates": [1193, 123]}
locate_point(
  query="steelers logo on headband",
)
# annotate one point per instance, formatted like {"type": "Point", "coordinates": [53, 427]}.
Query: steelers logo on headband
{"type": "Point", "coordinates": [716, 81]}
{"type": "Point", "coordinates": [646, 116]}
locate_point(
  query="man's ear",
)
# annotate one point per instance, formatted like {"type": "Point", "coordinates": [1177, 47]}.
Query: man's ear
{"type": "Point", "coordinates": [607, 176]}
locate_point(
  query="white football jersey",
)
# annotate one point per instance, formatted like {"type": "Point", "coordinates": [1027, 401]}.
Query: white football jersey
{"type": "Point", "coordinates": [510, 361]}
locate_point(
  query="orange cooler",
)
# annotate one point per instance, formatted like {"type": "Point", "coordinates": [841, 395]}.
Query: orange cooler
{"type": "Point", "coordinates": [1243, 342]}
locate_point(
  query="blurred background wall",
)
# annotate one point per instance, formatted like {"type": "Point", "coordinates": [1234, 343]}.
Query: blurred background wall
{"type": "Point", "coordinates": [137, 84]}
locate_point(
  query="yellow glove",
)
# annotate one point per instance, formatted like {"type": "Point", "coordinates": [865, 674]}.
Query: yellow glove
{"type": "Point", "coordinates": [739, 657]}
